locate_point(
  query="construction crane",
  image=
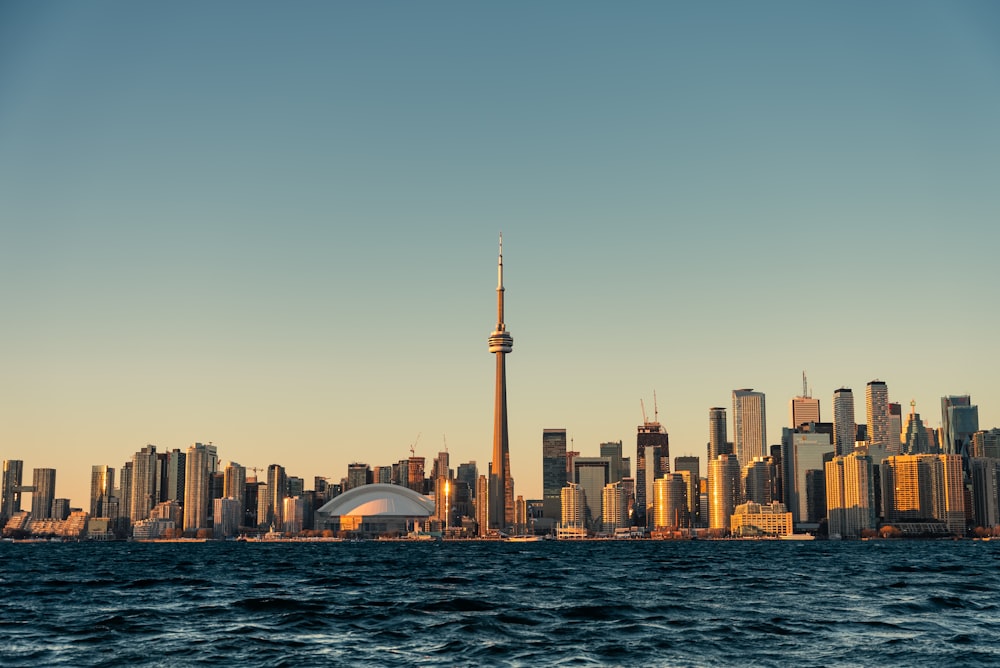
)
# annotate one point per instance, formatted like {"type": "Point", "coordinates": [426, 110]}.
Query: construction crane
{"type": "Point", "coordinates": [413, 446]}
{"type": "Point", "coordinates": [643, 407]}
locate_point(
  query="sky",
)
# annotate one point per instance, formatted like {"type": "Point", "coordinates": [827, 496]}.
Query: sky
{"type": "Point", "coordinates": [274, 227]}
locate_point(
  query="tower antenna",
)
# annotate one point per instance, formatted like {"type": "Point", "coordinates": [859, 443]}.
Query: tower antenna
{"type": "Point", "coordinates": [805, 389]}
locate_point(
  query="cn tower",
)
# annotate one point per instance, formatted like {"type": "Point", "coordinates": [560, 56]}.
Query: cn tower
{"type": "Point", "coordinates": [501, 488]}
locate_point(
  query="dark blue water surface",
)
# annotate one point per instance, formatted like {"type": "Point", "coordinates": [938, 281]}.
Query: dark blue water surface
{"type": "Point", "coordinates": [766, 603]}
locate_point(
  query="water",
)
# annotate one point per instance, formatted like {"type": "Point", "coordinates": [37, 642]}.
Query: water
{"type": "Point", "coordinates": [637, 603]}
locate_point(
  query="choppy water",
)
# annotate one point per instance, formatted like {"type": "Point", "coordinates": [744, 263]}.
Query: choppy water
{"type": "Point", "coordinates": [594, 603]}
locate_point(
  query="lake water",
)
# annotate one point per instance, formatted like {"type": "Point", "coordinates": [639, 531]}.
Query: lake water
{"type": "Point", "coordinates": [630, 603]}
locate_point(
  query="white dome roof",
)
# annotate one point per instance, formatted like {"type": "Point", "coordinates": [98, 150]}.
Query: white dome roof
{"type": "Point", "coordinates": [379, 499]}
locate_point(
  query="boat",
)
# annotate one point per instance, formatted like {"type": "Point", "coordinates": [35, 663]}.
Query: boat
{"type": "Point", "coordinates": [525, 538]}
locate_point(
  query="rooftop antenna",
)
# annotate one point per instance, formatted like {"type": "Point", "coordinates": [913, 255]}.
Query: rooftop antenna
{"type": "Point", "coordinates": [805, 387]}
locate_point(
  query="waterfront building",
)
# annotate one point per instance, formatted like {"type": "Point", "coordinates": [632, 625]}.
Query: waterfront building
{"type": "Point", "coordinates": [124, 496]}
{"type": "Point", "coordinates": [877, 406]}
{"type": "Point", "coordinates": [102, 487]}
{"type": "Point", "coordinates": [375, 510]}
{"type": "Point", "coordinates": [43, 494]}
{"type": "Point", "coordinates": [844, 427]}
{"type": "Point", "coordinates": [758, 480]}
{"type": "Point", "coordinates": [614, 507]}
{"type": "Point", "coordinates": [984, 477]}
{"type": "Point", "coordinates": [553, 471]}
{"type": "Point", "coordinates": [10, 493]}
{"type": "Point", "coordinates": [234, 483]}
{"type": "Point", "coordinates": [591, 474]}
{"type": "Point", "coordinates": [723, 490]}
{"type": "Point", "coordinates": [690, 468]}
{"type": "Point", "coordinates": [652, 462]}
{"type": "Point", "coordinates": [760, 519]}
{"type": "Point", "coordinates": [520, 515]}
{"type": "Point", "coordinates": [924, 487]}
{"type": "Point", "coordinates": [168, 510]}
{"type": "Point", "coordinates": [574, 507]}
{"type": "Point", "coordinates": [226, 514]}
{"type": "Point", "coordinates": [295, 514]}
{"type": "Point", "coordinates": [670, 502]}
{"type": "Point", "coordinates": [501, 488]}
{"type": "Point", "coordinates": [850, 495]}
{"type": "Point", "coordinates": [277, 492]}
{"type": "Point", "coordinates": [60, 509]}
{"type": "Point", "coordinates": [959, 421]}
{"type": "Point", "coordinates": [749, 425]}
{"type": "Point", "coordinates": [144, 494]}
{"type": "Point", "coordinates": [197, 463]}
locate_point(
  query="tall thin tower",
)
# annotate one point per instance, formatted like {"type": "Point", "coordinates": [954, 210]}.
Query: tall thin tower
{"type": "Point", "coordinates": [501, 489]}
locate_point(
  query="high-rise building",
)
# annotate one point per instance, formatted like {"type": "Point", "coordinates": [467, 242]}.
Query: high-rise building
{"type": "Point", "coordinates": [44, 484]}
{"type": "Point", "coordinates": [613, 451]}
{"type": "Point", "coordinates": [196, 487]}
{"type": "Point", "coordinates": [916, 438]}
{"type": "Point", "coordinates": [652, 461]}
{"type": "Point", "coordinates": [574, 506]}
{"type": "Point", "coordinates": [924, 487]}
{"type": "Point", "coordinates": [501, 489]}
{"type": "Point", "coordinates": [877, 406]}
{"type": "Point", "coordinates": [718, 443]}
{"type": "Point", "coordinates": [591, 475]}
{"type": "Point", "coordinates": [723, 490]}
{"type": "Point", "coordinates": [691, 467]}
{"type": "Point", "coordinates": [850, 495]}
{"type": "Point", "coordinates": [415, 475]}
{"type": "Point", "coordinates": [895, 428]}
{"type": "Point", "coordinates": [102, 488]}
{"type": "Point", "coordinates": [176, 468]}
{"type": "Point", "coordinates": [483, 505]}
{"type": "Point", "coordinates": [803, 452]}
{"type": "Point", "coordinates": [959, 421]}
{"type": "Point", "coordinates": [359, 474]}
{"type": "Point", "coordinates": [277, 492]}
{"type": "Point", "coordinates": [614, 507]}
{"type": "Point", "coordinates": [553, 471]}
{"type": "Point", "coordinates": [468, 473]}
{"type": "Point", "coordinates": [441, 467]}
{"type": "Point", "coordinates": [803, 409]}
{"type": "Point", "coordinates": [124, 495]}
{"type": "Point", "coordinates": [10, 501]}
{"type": "Point", "coordinates": [758, 480]}
{"type": "Point", "coordinates": [144, 479]}
{"type": "Point", "coordinates": [227, 514]}
{"type": "Point", "coordinates": [670, 502]}
{"type": "Point", "coordinates": [749, 425]}
{"type": "Point", "coordinates": [844, 428]}
{"type": "Point", "coordinates": [984, 476]}
{"type": "Point", "coordinates": [234, 483]}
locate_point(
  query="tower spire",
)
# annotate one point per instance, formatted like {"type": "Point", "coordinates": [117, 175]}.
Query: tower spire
{"type": "Point", "coordinates": [501, 491]}
{"type": "Point", "coordinates": [500, 323]}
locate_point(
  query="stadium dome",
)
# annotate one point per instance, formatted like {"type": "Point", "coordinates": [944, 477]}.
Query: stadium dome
{"type": "Point", "coordinates": [373, 510]}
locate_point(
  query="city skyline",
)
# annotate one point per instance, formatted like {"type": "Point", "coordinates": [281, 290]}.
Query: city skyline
{"type": "Point", "coordinates": [288, 251]}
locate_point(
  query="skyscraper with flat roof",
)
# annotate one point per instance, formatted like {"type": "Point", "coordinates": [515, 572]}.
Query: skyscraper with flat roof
{"type": "Point", "coordinates": [102, 488]}
{"type": "Point", "coordinates": [501, 488]}
{"type": "Point", "coordinates": [553, 471]}
{"type": "Point", "coordinates": [959, 421]}
{"type": "Point", "coordinates": [844, 428]}
{"type": "Point", "coordinates": [877, 405]}
{"type": "Point", "coordinates": [196, 487]}
{"type": "Point", "coordinates": [749, 425]}
{"type": "Point", "coordinates": [591, 475]}
{"type": "Point", "coordinates": [652, 462]}
{"type": "Point", "coordinates": [44, 484]}
{"type": "Point", "coordinates": [10, 494]}
{"type": "Point", "coordinates": [724, 491]}
{"type": "Point", "coordinates": [144, 479]}
{"type": "Point", "coordinates": [850, 495]}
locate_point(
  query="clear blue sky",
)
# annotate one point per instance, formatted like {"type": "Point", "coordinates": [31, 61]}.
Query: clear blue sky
{"type": "Point", "coordinates": [273, 226]}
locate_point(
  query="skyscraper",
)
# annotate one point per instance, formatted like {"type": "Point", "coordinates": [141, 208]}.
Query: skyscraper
{"type": "Point", "coordinates": [553, 471]}
{"type": "Point", "coordinates": [591, 475]}
{"type": "Point", "coordinates": [803, 409]}
{"type": "Point", "coordinates": [10, 501]}
{"type": "Point", "coordinates": [44, 483]}
{"type": "Point", "coordinates": [723, 491]}
{"type": "Point", "coordinates": [652, 461]}
{"type": "Point", "coordinates": [718, 439]}
{"type": "Point", "coordinates": [877, 404]}
{"type": "Point", "coordinates": [749, 425]}
{"type": "Point", "coordinates": [501, 489]}
{"type": "Point", "coordinates": [850, 494]}
{"type": "Point", "coordinates": [102, 488]}
{"type": "Point", "coordinates": [959, 421]}
{"type": "Point", "coordinates": [844, 428]}
{"type": "Point", "coordinates": [196, 492]}
{"type": "Point", "coordinates": [144, 479]}
{"type": "Point", "coordinates": [613, 451]}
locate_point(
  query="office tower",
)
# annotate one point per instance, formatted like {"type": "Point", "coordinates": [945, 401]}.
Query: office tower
{"type": "Point", "coordinates": [613, 451]}
{"type": "Point", "coordinates": [263, 510]}
{"type": "Point", "coordinates": [144, 479]}
{"type": "Point", "coordinates": [358, 474]}
{"type": "Point", "coordinates": [441, 466]}
{"type": "Point", "coordinates": [723, 490]}
{"type": "Point", "coordinates": [718, 443]}
{"type": "Point", "coordinates": [277, 492]}
{"type": "Point", "coordinates": [197, 494]}
{"type": "Point", "coordinates": [652, 461]}
{"type": "Point", "coordinates": [124, 495]}
{"type": "Point", "coordinates": [44, 484]}
{"type": "Point", "coordinates": [758, 480]}
{"type": "Point", "coordinates": [483, 505]}
{"type": "Point", "coordinates": [816, 493]}
{"type": "Point", "coordinates": [234, 482]}
{"type": "Point", "coordinates": [468, 473]}
{"type": "Point", "coordinates": [844, 428]}
{"type": "Point", "coordinates": [553, 471]}
{"type": "Point", "coordinates": [501, 489]}
{"type": "Point", "coordinates": [850, 495]}
{"type": "Point", "coordinates": [176, 465]}
{"type": "Point", "coordinates": [803, 409]}
{"type": "Point", "coordinates": [614, 507]}
{"type": "Point", "coordinates": [749, 425]}
{"type": "Point", "coordinates": [895, 428]}
{"type": "Point", "coordinates": [802, 452]}
{"type": "Point", "coordinates": [755, 519]}
{"type": "Point", "coordinates": [915, 436]}
{"type": "Point", "coordinates": [415, 476]}
{"type": "Point", "coordinates": [984, 476]}
{"type": "Point", "coordinates": [294, 513]}
{"type": "Point", "coordinates": [692, 467]}
{"type": "Point", "coordinates": [877, 405]}
{"type": "Point", "coordinates": [591, 475]}
{"type": "Point", "coordinates": [444, 500]}
{"type": "Point", "coordinates": [10, 501]}
{"type": "Point", "coordinates": [383, 475]}
{"type": "Point", "coordinates": [251, 498]}
{"type": "Point", "coordinates": [574, 506]}
{"type": "Point", "coordinates": [670, 502]}
{"type": "Point", "coordinates": [986, 443]}
{"type": "Point", "coordinates": [102, 488]}
{"type": "Point", "coordinates": [959, 421]}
